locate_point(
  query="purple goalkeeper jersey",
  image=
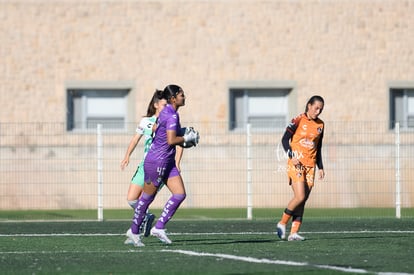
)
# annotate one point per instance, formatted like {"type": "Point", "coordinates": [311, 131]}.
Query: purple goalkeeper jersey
{"type": "Point", "coordinates": [160, 149]}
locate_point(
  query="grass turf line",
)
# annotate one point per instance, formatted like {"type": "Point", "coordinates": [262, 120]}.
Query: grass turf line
{"type": "Point", "coordinates": [371, 245]}
{"type": "Point", "coordinates": [200, 213]}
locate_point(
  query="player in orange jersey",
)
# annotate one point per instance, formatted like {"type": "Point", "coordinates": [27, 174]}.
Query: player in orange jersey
{"type": "Point", "coordinates": [302, 142]}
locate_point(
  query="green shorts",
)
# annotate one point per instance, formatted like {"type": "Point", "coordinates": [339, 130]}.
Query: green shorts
{"type": "Point", "coordinates": [138, 177]}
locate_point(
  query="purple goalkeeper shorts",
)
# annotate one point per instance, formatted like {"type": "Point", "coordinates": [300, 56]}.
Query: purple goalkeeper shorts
{"type": "Point", "coordinates": [158, 172]}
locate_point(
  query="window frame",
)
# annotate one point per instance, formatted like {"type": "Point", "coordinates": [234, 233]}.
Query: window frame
{"type": "Point", "coordinates": [395, 90]}
{"type": "Point", "coordinates": [288, 87]}
{"type": "Point", "coordinates": [126, 90]}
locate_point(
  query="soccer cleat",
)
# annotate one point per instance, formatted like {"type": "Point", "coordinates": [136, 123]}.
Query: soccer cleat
{"type": "Point", "coordinates": [295, 237]}
{"type": "Point", "coordinates": [142, 226]}
{"type": "Point", "coordinates": [160, 234]}
{"type": "Point", "coordinates": [147, 224]}
{"type": "Point", "coordinates": [134, 239]}
{"type": "Point", "coordinates": [128, 241]}
{"type": "Point", "coordinates": [281, 230]}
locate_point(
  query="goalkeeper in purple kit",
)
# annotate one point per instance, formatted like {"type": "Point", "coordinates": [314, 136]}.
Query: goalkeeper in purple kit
{"type": "Point", "coordinates": [160, 166]}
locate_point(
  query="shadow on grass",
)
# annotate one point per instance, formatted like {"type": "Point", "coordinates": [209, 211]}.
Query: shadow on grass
{"type": "Point", "coordinates": [220, 241]}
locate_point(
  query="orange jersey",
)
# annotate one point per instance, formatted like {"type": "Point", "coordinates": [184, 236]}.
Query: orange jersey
{"type": "Point", "coordinates": [307, 134]}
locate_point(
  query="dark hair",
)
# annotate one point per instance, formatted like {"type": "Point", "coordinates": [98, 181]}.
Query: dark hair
{"type": "Point", "coordinates": [157, 96]}
{"type": "Point", "coordinates": [312, 100]}
{"type": "Point", "coordinates": [171, 91]}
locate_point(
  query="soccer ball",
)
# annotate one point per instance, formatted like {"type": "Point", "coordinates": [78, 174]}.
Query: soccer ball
{"type": "Point", "coordinates": [187, 144]}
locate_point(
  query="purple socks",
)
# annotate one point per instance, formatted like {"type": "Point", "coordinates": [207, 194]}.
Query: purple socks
{"type": "Point", "coordinates": [169, 209]}
{"type": "Point", "coordinates": [140, 211]}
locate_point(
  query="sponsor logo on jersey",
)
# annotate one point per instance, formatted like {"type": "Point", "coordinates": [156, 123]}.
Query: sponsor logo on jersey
{"type": "Point", "coordinates": [307, 143]}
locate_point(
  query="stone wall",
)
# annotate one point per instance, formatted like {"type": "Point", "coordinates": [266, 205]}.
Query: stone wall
{"type": "Point", "coordinates": [347, 51]}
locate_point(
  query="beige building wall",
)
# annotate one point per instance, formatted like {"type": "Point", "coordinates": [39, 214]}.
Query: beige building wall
{"type": "Point", "coordinates": [347, 51]}
{"type": "Point", "coordinates": [350, 52]}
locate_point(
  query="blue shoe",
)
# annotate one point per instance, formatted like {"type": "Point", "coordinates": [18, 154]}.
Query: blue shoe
{"type": "Point", "coordinates": [142, 226]}
{"type": "Point", "coordinates": [147, 224]}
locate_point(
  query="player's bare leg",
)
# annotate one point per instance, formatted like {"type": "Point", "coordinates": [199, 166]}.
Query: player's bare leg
{"type": "Point", "coordinates": [134, 192]}
{"type": "Point", "coordinates": [300, 194]}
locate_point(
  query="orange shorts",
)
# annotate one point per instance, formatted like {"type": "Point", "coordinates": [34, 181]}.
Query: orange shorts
{"type": "Point", "coordinates": [301, 174]}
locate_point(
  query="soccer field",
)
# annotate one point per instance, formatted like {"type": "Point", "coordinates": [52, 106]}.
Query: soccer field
{"type": "Point", "coordinates": [221, 246]}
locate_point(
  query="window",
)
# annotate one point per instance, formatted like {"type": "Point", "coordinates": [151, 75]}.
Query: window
{"type": "Point", "coordinates": [262, 107]}
{"type": "Point", "coordinates": [87, 107]}
{"type": "Point", "coordinates": [402, 107]}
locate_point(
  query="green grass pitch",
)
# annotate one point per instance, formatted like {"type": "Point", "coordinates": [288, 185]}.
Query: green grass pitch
{"type": "Point", "coordinates": [334, 245]}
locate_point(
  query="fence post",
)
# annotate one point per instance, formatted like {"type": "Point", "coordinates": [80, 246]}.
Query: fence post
{"type": "Point", "coordinates": [249, 174]}
{"type": "Point", "coordinates": [397, 172]}
{"type": "Point", "coordinates": [99, 148]}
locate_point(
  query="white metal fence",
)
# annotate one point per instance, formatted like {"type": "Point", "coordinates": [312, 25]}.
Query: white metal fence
{"type": "Point", "coordinates": [42, 166]}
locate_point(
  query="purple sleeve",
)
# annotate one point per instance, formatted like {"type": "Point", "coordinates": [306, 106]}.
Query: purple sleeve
{"type": "Point", "coordinates": [173, 123]}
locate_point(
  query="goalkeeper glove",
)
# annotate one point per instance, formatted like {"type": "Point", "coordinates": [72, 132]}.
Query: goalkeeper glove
{"type": "Point", "coordinates": [191, 137]}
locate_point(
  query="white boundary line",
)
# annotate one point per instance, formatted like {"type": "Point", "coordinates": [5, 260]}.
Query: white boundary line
{"type": "Point", "coordinates": [211, 233]}
{"type": "Point", "coordinates": [224, 256]}
{"type": "Point", "coordinates": [278, 262]}
{"type": "Point", "coordinates": [264, 261]}
{"type": "Point", "coordinates": [220, 256]}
